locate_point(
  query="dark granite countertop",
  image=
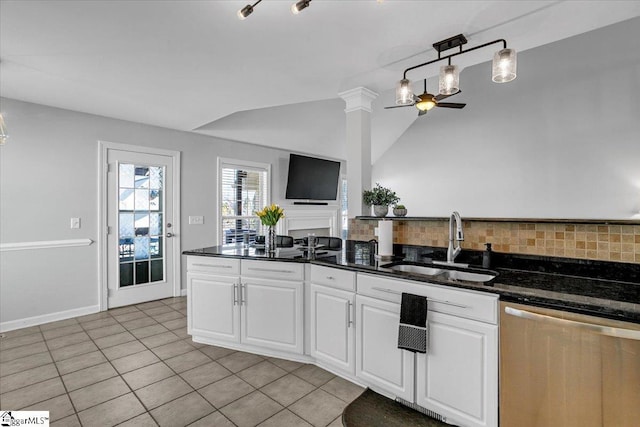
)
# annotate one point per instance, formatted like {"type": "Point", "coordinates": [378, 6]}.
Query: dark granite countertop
{"type": "Point", "coordinates": [604, 289]}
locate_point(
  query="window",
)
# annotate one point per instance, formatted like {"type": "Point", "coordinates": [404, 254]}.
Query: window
{"type": "Point", "coordinates": [244, 189]}
{"type": "Point", "coordinates": [344, 213]}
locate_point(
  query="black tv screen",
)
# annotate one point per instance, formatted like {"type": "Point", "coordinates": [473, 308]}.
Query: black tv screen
{"type": "Point", "coordinates": [311, 178]}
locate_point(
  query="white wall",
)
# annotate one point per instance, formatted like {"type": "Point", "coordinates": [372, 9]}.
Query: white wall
{"type": "Point", "coordinates": [561, 141]}
{"type": "Point", "coordinates": [49, 173]}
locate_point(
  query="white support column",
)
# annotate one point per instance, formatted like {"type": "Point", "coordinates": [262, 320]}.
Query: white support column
{"type": "Point", "coordinates": [358, 128]}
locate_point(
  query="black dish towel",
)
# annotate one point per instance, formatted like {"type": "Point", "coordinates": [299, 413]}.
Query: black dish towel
{"type": "Point", "coordinates": [412, 334]}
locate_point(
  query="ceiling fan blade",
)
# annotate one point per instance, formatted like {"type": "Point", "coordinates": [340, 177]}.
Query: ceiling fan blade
{"type": "Point", "coordinates": [399, 106]}
{"type": "Point", "coordinates": [422, 113]}
{"type": "Point", "coordinates": [416, 98]}
{"type": "Point", "coordinates": [450, 105]}
{"type": "Point", "coordinates": [440, 97]}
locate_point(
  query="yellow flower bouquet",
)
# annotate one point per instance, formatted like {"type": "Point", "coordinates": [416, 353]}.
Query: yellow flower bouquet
{"type": "Point", "coordinates": [270, 215]}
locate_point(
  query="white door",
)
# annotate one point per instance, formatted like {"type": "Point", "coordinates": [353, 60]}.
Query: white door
{"type": "Point", "coordinates": [272, 314]}
{"type": "Point", "coordinates": [332, 331]}
{"type": "Point", "coordinates": [458, 376]}
{"type": "Point", "coordinates": [214, 307]}
{"type": "Point", "coordinates": [380, 362]}
{"type": "Point", "coordinates": [140, 244]}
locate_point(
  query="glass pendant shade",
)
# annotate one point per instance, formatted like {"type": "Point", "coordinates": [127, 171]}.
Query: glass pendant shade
{"type": "Point", "coordinates": [504, 66]}
{"type": "Point", "coordinates": [3, 131]}
{"type": "Point", "coordinates": [449, 80]}
{"type": "Point", "coordinates": [404, 95]}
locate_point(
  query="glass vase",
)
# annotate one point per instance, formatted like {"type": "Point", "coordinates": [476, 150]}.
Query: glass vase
{"type": "Point", "coordinates": [270, 240]}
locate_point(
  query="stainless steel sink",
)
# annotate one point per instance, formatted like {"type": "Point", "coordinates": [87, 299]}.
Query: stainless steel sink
{"type": "Point", "coordinates": [467, 276]}
{"type": "Point", "coordinates": [442, 273]}
{"type": "Point", "coordinates": [418, 269]}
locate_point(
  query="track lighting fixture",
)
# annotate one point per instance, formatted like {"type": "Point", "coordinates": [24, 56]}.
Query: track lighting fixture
{"type": "Point", "coordinates": [297, 7]}
{"type": "Point", "coordinates": [247, 10]}
{"type": "Point", "coordinates": [503, 68]}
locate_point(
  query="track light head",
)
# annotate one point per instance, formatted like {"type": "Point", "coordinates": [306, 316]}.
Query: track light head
{"type": "Point", "coordinates": [245, 11]}
{"type": "Point", "coordinates": [297, 7]}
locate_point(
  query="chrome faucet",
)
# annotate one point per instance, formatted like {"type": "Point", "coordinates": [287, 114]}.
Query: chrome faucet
{"type": "Point", "coordinates": [452, 252]}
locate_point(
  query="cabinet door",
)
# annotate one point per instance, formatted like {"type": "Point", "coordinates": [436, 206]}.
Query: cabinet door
{"type": "Point", "coordinates": [458, 376]}
{"type": "Point", "coordinates": [379, 361]}
{"type": "Point", "coordinates": [213, 307]}
{"type": "Point", "coordinates": [332, 329]}
{"type": "Point", "coordinates": [272, 314]}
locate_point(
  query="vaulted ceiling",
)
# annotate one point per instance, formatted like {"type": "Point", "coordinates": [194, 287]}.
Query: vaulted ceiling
{"type": "Point", "coordinates": [272, 79]}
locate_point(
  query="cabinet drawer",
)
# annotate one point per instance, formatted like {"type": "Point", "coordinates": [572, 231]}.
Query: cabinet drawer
{"type": "Point", "coordinates": [333, 277]}
{"type": "Point", "coordinates": [442, 299]}
{"type": "Point", "coordinates": [272, 270]}
{"type": "Point", "coordinates": [213, 265]}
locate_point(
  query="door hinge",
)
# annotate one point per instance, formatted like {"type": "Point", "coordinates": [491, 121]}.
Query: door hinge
{"type": "Point", "coordinates": [109, 167]}
{"type": "Point", "coordinates": [108, 230]}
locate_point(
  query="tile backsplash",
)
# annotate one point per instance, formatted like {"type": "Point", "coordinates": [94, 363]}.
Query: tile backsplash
{"type": "Point", "coordinates": [602, 242]}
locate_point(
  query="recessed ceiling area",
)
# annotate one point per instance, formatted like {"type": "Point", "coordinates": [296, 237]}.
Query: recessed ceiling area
{"type": "Point", "coordinates": [272, 79]}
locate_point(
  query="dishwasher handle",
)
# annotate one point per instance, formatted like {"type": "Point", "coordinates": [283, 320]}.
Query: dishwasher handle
{"type": "Point", "coordinates": [610, 331]}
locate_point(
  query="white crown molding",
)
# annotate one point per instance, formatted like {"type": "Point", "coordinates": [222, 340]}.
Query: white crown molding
{"type": "Point", "coordinates": [47, 244]}
{"type": "Point", "coordinates": [359, 98]}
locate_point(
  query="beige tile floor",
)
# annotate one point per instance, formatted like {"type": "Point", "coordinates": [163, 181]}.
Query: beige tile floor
{"type": "Point", "coordinates": [136, 366]}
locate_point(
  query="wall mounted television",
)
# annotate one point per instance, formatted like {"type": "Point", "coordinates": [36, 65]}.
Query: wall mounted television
{"type": "Point", "coordinates": [311, 178]}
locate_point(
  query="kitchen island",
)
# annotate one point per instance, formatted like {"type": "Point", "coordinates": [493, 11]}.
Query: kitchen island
{"type": "Point", "coordinates": [340, 310]}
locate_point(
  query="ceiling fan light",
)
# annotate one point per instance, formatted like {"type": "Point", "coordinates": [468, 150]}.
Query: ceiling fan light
{"type": "Point", "coordinates": [505, 65]}
{"type": "Point", "coordinates": [449, 80]}
{"type": "Point", "coordinates": [297, 7]}
{"type": "Point", "coordinates": [244, 12]}
{"type": "Point", "coordinates": [404, 95]}
{"type": "Point", "coordinates": [426, 105]}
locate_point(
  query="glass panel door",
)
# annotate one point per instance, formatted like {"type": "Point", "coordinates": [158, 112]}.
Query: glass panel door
{"type": "Point", "coordinates": [140, 225]}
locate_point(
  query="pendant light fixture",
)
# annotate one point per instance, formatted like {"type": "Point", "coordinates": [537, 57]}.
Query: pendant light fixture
{"type": "Point", "coordinates": [449, 79]}
{"type": "Point", "coordinates": [3, 131]}
{"type": "Point", "coordinates": [504, 66]}
{"type": "Point", "coordinates": [247, 10]}
{"type": "Point", "coordinates": [296, 8]}
{"type": "Point", "coordinates": [404, 94]}
{"type": "Point", "coordinates": [503, 69]}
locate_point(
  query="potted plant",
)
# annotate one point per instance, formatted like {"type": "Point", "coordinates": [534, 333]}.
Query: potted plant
{"type": "Point", "coordinates": [399, 210]}
{"type": "Point", "coordinates": [380, 198]}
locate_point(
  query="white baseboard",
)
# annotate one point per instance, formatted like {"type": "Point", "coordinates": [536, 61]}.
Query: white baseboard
{"type": "Point", "coordinates": [47, 318]}
{"type": "Point", "coordinates": [183, 292]}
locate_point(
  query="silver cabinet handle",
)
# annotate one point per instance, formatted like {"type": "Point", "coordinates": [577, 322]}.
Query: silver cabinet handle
{"type": "Point", "coordinates": [610, 331]}
{"type": "Point", "coordinates": [349, 318]}
{"type": "Point", "coordinates": [389, 291]}
{"type": "Point", "coordinates": [235, 294]}
{"type": "Point", "coordinates": [212, 266]}
{"type": "Point", "coordinates": [242, 295]}
{"type": "Point", "coordinates": [271, 270]}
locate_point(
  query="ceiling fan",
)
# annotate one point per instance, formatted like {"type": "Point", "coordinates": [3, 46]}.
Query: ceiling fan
{"type": "Point", "coordinates": [427, 101]}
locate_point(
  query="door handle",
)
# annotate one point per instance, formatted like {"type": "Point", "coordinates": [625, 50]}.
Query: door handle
{"type": "Point", "coordinates": [235, 294]}
{"type": "Point", "coordinates": [169, 235]}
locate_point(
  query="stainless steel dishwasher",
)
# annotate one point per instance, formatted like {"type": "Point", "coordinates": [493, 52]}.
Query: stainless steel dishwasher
{"type": "Point", "coordinates": [565, 369]}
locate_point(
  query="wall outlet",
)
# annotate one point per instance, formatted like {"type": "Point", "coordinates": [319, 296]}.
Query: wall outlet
{"type": "Point", "coordinates": [75, 223]}
{"type": "Point", "coordinates": [196, 220]}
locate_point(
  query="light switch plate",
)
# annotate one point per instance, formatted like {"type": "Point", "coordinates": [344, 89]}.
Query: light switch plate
{"type": "Point", "coordinates": [196, 220]}
{"type": "Point", "coordinates": [75, 223]}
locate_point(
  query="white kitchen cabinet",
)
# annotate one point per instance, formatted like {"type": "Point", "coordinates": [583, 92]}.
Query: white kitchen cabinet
{"type": "Point", "coordinates": [272, 314]}
{"type": "Point", "coordinates": [213, 310]}
{"type": "Point", "coordinates": [332, 327]}
{"type": "Point", "coordinates": [252, 303]}
{"type": "Point", "coordinates": [379, 361]}
{"type": "Point", "coordinates": [458, 376]}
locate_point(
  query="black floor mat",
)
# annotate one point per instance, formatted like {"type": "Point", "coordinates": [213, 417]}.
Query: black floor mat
{"type": "Point", "coordinates": [374, 410]}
